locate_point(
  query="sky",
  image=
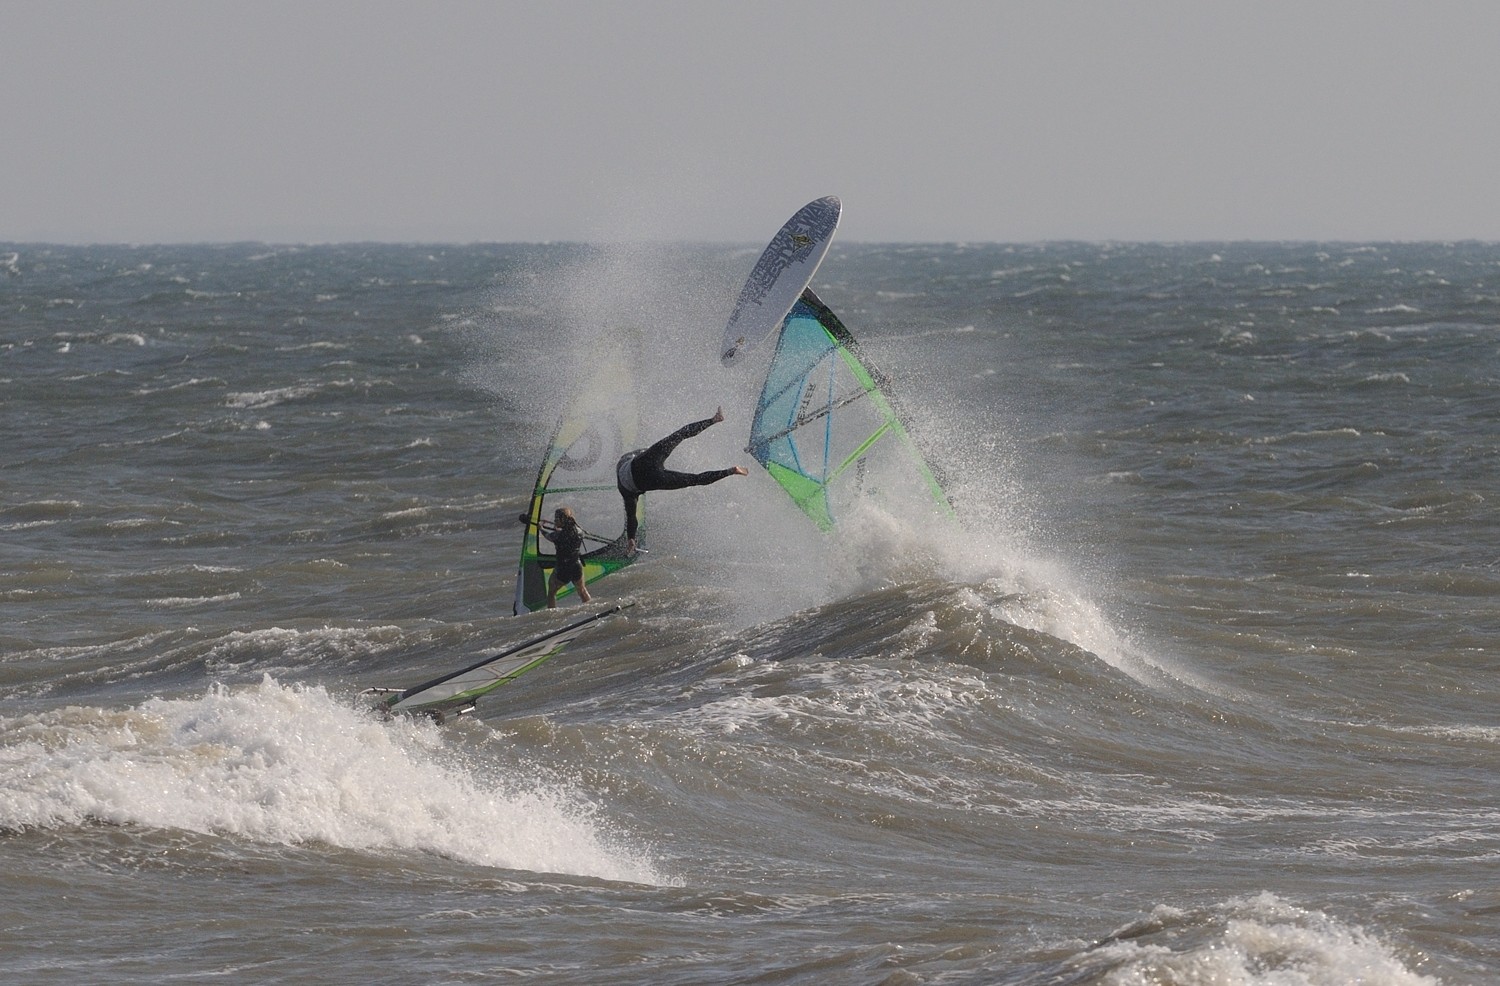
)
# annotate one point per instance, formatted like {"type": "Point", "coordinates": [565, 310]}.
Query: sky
{"type": "Point", "coordinates": [310, 121]}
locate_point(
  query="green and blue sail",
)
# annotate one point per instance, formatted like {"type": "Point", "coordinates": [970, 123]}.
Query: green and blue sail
{"type": "Point", "coordinates": [822, 414]}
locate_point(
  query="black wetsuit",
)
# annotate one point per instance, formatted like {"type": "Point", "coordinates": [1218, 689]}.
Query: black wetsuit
{"type": "Point", "coordinates": [646, 469]}
{"type": "Point", "coordinates": [568, 541]}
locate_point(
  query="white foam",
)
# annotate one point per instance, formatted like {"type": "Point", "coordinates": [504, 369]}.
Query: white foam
{"type": "Point", "coordinates": [255, 399]}
{"type": "Point", "coordinates": [270, 398]}
{"type": "Point", "coordinates": [1256, 941]}
{"type": "Point", "coordinates": [179, 602]}
{"type": "Point", "coordinates": [838, 694]}
{"type": "Point", "coordinates": [293, 765]}
{"type": "Point", "coordinates": [300, 647]}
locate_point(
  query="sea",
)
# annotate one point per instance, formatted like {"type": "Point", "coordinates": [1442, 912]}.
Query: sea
{"type": "Point", "coordinates": [1198, 684]}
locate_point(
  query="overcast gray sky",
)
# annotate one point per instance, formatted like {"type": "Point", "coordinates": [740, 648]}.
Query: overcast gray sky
{"type": "Point", "coordinates": [315, 120]}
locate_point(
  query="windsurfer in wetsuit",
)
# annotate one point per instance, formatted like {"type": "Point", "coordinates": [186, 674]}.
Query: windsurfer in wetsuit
{"type": "Point", "coordinates": [646, 469]}
{"type": "Point", "coordinates": [567, 539]}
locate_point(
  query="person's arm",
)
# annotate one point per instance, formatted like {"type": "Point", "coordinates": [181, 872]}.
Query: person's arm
{"type": "Point", "coordinates": [631, 499]}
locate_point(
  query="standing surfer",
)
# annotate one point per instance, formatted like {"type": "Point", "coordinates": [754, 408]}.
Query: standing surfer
{"type": "Point", "coordinates": [646, 469]}
{"type": "Point", "coordinates": [567, 538]}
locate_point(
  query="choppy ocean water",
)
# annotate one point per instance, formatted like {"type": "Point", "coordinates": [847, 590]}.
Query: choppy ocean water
{"type": "Point", "coordinates": [1202, 692]}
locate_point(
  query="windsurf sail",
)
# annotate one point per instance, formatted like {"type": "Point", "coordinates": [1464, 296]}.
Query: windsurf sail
{"type": "Point", "coordinates": [823, 424]}
{"type": "Point", "coordinates": [456, 693]}
{"type": "Point", "coordinates": [578, 471]}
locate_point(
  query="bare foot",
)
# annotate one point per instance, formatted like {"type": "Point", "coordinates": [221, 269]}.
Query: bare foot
{"type": "Point", "coordinates": [741, 471]}
{"type": "Point", "coordinates": [718, 415]}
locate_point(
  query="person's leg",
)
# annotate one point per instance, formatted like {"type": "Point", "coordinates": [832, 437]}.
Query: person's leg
{"type": "Point", "coordinates": [552, 586]}
{"type": "Point", "coordinates": [670, 480]}
{"type": "Point", "coordinates": [652, 462]}
{"type": "Point", "coordinates": [581, 584]}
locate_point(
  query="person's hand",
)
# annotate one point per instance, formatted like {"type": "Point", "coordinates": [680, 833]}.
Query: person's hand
{"type": "Point", "coordinates": [630, 546]}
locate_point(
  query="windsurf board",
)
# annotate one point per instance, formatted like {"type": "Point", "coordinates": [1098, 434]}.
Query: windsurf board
{"type": "Point", "coordinates": [784, 269]}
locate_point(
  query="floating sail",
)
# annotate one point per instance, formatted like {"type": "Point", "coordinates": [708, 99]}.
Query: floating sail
{"type": "Point", "coordinates": [456, 693]}
{"type": "Point", "coordinates": [824, 429]}
{"type": "Point", "coordinates": [578, 471]}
